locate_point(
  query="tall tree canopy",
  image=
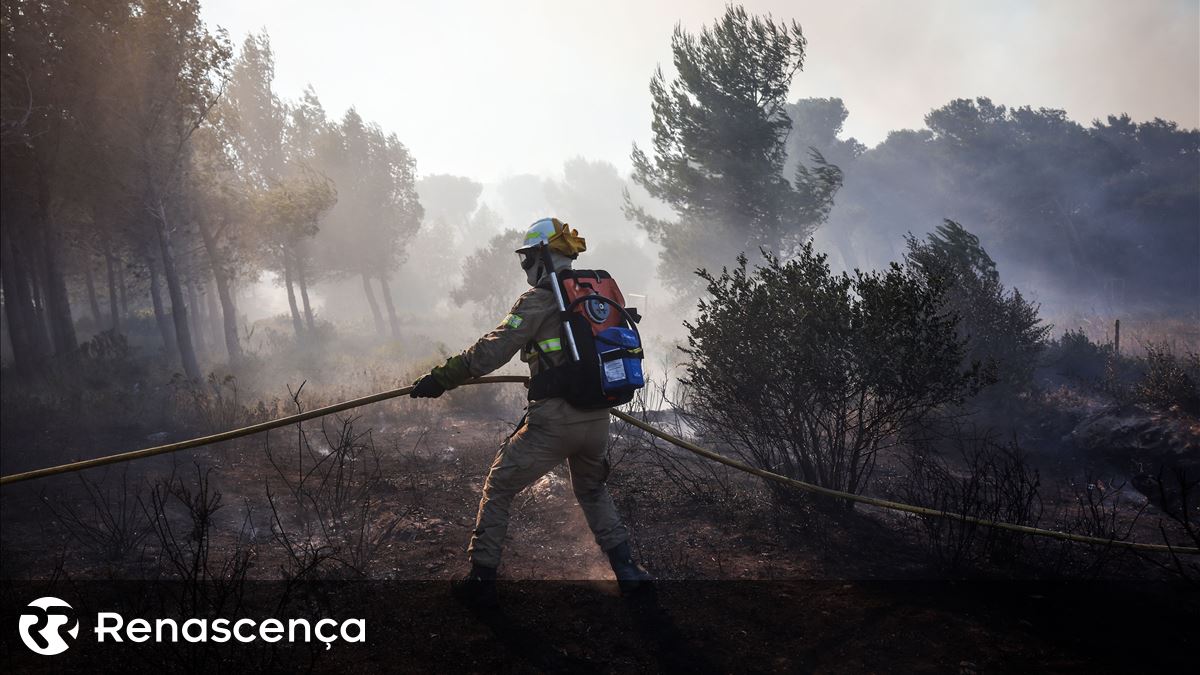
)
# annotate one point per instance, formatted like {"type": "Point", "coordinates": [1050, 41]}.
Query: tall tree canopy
{"type": "Point", "coordinates": [101, 104]}
{"type": "Point", "coordinates": [720, 130]}
{"type": "Point", "coordinates": [378, 210]}
{"type": "Point", "coordinates": [135, 144]}
{"type": "Point", "coordinates": [1099, 217]}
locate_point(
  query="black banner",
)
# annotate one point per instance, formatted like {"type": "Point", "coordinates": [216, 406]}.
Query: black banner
{"type": "Point", "coordinates": [699, 626]}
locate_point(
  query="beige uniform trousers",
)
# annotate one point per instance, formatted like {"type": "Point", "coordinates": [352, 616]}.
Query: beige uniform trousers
{"type": "Point", "coordinates": [553, 431]}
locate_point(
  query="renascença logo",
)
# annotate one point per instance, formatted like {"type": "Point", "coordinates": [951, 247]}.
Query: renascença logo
{"type": "Point", "coordinates": [46, 620]}
{"type": "Point", "coordinates": [43, 624]}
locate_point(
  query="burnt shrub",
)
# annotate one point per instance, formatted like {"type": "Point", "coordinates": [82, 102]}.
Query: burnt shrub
{"type": "Point", "coordinates": [989, 482]}
{"type": "Point", "coordinates": [809, 374]}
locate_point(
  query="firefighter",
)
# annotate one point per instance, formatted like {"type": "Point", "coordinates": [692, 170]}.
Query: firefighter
{"type": "Point", "coordinates": [552, 430]}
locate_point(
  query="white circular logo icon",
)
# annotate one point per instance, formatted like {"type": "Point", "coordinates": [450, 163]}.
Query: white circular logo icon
{"type": "Point", "coordinates": [43, 624]}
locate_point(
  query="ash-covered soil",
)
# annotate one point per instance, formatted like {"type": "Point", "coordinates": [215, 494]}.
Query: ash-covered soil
{"type": "Point", "coordinates": [748, 584]}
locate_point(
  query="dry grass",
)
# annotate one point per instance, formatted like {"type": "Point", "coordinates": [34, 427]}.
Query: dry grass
{"type": "Point", "coordinates": [1180, 333]}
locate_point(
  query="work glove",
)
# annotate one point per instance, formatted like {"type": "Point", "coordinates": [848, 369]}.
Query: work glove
{"type": "Point", "coordinates": [427, 387]}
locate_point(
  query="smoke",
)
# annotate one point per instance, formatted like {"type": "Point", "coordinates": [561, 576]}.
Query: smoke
{"type": "Point", "coordinates": [490, 90]}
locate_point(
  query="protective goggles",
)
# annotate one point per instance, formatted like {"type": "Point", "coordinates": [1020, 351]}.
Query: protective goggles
{"type": "Point", "coordinates": [528, 259]}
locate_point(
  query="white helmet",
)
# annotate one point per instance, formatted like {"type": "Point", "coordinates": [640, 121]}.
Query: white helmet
{"type": "Point", "coordinates": [564, 245]}
{"type": "Point", "coordinates": [540, 232]}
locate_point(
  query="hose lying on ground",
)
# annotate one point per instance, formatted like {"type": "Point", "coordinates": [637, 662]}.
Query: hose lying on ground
{"type": "Point", "coordinates": [233, 433]}
{"type": "Point", "coordinates": [686, 445]}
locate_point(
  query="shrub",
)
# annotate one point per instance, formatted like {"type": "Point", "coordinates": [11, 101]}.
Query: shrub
{"type": "Point", "coordinates": [1160, 380]}
{"type": "Point", "coordinates": [993, 483]}
{"type": "Point", "coordinates": [1170, 381]}
{"type": "Point", "coordinates": [808, 374]}
{"type": "Point", "coordinates": [1075, 356]}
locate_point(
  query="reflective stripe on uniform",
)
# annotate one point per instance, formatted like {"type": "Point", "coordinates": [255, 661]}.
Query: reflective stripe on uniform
{"type": "Point", "coordinates": [551, 345]}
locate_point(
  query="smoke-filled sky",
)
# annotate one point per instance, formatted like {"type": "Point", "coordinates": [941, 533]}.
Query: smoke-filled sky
{"type": "Point", "coordinates": [488, 89]}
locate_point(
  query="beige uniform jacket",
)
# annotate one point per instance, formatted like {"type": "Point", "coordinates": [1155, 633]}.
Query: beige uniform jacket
{"type": "Point", "coordinates": [533, 319]}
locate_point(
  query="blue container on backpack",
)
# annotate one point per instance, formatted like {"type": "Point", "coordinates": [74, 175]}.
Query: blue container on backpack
{"type": "Point", "coordinates": [620, 352]}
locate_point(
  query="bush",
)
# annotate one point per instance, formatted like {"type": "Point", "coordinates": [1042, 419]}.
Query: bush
{"type": "Point", "coordinates": [1076, 357]}
{"type": "Point", "coordinates": [1170, 381]}
{"type": "Point", "coordinates": [1159, 380]}
{"type": "Point", "coordinates": [808, 374]}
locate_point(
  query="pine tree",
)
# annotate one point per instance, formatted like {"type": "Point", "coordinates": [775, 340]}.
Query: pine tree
{"type": "Point", "coordinates": [719, 133]}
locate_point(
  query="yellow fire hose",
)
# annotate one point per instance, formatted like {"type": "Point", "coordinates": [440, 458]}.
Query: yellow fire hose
{"type": "Point", "coordinates": [691, 447]}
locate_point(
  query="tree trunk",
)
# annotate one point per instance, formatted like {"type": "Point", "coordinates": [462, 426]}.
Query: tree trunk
{"type": "Point", "coordinates": [183, 335]}
{"type": "Point", "coordinates": [228, 311]}
{"type": "Point", "coordinates": [114, 309]}
{"type": "Point", "coordinates": [197, 320]}
{"type": "Point", "coordinates": [37, 284]}
{"type": "Point", "coordinates": [90, 283]}
{"type": "Point", "coordinates": [213, 311]}
{"type": "Point", "coordinates": [58, 304]}
{"type": "Point", "coordinates": [27, 262]}
{"type": "Point", "coordinates": [308, 315]}
{"type": "Point", "coordinates": [297, 325]}
{"type": "Point", "coordinates": [391, 309]}
{"type": "Point", "coordinates": [17, 308]}
{"type": "Point", "coordinates": [374, 305]}
{"type": "Point", "coordinates": [160, 315]}
{"type": "Point", "coordinates": [123, 287]}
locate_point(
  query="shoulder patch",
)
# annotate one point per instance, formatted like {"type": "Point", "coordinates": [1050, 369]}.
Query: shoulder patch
{"type": "Point", "coordinates": [513, 321]}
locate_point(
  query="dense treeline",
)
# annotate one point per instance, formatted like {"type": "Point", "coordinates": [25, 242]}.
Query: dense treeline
{"type": "Point", "coordinates": [1105, 216]}
{"type": "Point", "coordinates": [152, 175]}
{"type": "Point", "coordinates": [140, 153]}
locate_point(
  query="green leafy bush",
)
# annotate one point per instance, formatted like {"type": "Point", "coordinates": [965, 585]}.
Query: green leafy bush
{"type": "Point", "coordinates": [809, 374]}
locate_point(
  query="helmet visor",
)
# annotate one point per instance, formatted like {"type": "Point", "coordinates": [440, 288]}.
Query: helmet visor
{"type": "Point", "coordinates": [528, 258]}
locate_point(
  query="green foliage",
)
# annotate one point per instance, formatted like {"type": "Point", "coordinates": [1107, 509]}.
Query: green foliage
{"type": "Point", "coordinates": [1158, 380]}
{"type": "Point", "coordinates": [110, 367]}
{"type": "Point", "coordinates": [291, 208]}
{"type": "Point", "coordinates": [816, 125]}
{"type": "Point", "coordinates": [378, 210]}
{"type": "Point", "coordinates": [1075, 356]}
{"type": "Point", "coordinates": [1100, 214]}
{"type": "Point", "coordinates": [492, 278]}
{"type": "Point", "coordinates": [1170, 381]}
{"type": "Point", "coordinates": [1002, 330]}
{"type": "Point", "coordinates": [720, 131]}
{"type": "Point", "coordinates": [808, 373]}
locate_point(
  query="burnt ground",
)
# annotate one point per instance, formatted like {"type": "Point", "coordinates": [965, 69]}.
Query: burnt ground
{"type": "Point", "coordinates": [748, 585]}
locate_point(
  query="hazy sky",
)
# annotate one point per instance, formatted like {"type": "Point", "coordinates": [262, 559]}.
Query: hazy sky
{"type": "Point", "coordinates": [487, 89]}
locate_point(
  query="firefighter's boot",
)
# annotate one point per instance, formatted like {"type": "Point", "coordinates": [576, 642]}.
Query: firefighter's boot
{"type": "Point", "coordinates": [478, 588]}
{"type": "Point", "coordinates": [631, 578]}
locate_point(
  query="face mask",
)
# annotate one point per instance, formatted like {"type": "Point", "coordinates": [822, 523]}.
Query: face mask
{"type": "Point", "coordinates": [532, 265]}
{"type": "Point", "coordinates": [535, 267]}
